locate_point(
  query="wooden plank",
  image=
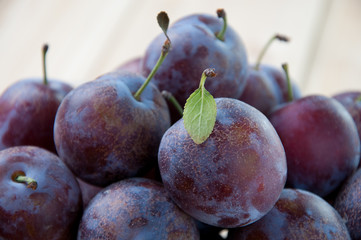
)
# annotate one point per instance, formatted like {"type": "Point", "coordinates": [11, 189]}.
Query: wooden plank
{"type": "Point", "coordinates": [88, 38]}
{"type": "Point", "coordinates": [337, 63]}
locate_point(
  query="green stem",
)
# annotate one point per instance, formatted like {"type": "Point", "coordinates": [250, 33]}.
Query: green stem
{"type": "Point", "coordinates": [30, 183]}
{"type": "Point", "coordinates": [222, 14]}
{"type": "Point", "coordinates": [289, 85]}
{"type": "Point", "coordinates": [265, 48]}
{"type": "Point", "coordinates": [164, 53]}
{"type": "Point", "coordinates": [45, 50]}
{"type": "Point", "coordinates": [169, 96]}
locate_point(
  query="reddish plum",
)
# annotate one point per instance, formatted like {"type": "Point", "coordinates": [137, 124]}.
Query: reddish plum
{"type": "Point", "coordinates": [321, 143]}
{"type": "Point", "coordinates": [235, 176]}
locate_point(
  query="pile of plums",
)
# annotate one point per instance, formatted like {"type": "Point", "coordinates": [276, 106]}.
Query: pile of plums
{"type": "Point", "coordinates": [112, 159]}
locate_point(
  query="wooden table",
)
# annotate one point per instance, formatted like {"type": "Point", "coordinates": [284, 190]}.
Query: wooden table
{"type": "Point", "coordinates": [88, 38]}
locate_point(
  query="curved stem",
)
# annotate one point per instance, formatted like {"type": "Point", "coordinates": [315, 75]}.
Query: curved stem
{"type": "Point", "coordinates": [209, 72]}
{"type": "Point", "coordinates": [222, 14]}
{"type": "Point", "coordinates": [30, 183]}
{"type": "Point", "coordinates": [265, 48]}
{"type": "Point", "coordinates": [45, 50]}
{"type": "Point", "coordinates": [164, 53]}
{"type": "Point", "coordinates": [289, 85]}
{"type": "Point", "coordinates": [169, 96]}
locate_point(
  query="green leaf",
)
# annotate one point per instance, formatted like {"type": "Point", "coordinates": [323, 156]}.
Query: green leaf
{"type": "Point", "coordinates": [200, 113]}
{"type": "Point", "coordinates": [163, 22]}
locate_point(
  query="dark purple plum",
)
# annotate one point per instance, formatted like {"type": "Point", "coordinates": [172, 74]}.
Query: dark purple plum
{"type": "Point", "coordinates": [321, 143]}
{"type": "Point", "coordinates": [298, 214]}
{"type": "Point", "coordinates": [352, 102]}
{"type": "Point", "coordinates": [348, 204]}
{"type": "Point", "coordinates": [104, 134]}
{"type": "Point", "coordinates": [195, 47]}
{"type": "Point", "coordinates": [135, 208]}
{"type": "Point", "coordinates": [27, 113]}
{"type": "Point", "coordinates": [49, 208]}
{"type": "Point", "coordinates": [235, 176]}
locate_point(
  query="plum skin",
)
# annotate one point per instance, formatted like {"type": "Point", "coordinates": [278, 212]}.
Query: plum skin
{"type": "Point", "coordinates": [235, 176]}
{"type": "Point", "coordinates": [135, 208]}
{"type": "Point", "coordinates": [51, 211]}
{"type": "Point", "coordinates": [321, 143]}
{"type": "Point", "coordinates": [349, 99]}
{"type": "Point", "coordinates": [104, 134]}
{"type": "Point", "coordinates": [195, 48]}
{"type": "Point", "coordinates": [27, 113]}
{"type": "Point", "coordinates": [298, 214]}
{"type": "Point", "coordinates": [348, 204]}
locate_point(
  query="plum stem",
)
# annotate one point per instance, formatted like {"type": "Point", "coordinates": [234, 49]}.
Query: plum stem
{"type": "Point", "coordinates": [209, 72]}
{"type": "Point", "coordinates": [289, 85]}
{"type": "Point", "coordinates": [164, 53]}
{"type": "Point", "coordinates": [163, 22]}
{"type": "Point", "coordinates": [45, 50]}
{"type": "Point", "coordinates": [30, 183]}
{"type": "Point", "coordinates": [265, 48]}
{"type": "Point", "coordinates": [222, 14]}
{"type": "Point", "coordinates": [169, 96]}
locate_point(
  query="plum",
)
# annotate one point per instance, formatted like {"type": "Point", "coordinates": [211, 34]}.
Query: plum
{"type": "Point", "coordinates": [298, 214]}
{"type": "Point", "coordinates": [235, 176]}
{"type": "Point", "coordinates": [195, 47]}
{"type": "Point", "coordinates": [321, 143]}
{"type": "Point", "coordinates": [348, 204]}
{"type": "Point", "coordinates": [135, 208]}
{"type": "Point", "coordinates": [352, 102]}
{"type": "Point", "coordinates": [27, 111]}
{"type": "Point", "coordinates": [39, 196]}
{"type": "Point", "coordinates": [104, 134]}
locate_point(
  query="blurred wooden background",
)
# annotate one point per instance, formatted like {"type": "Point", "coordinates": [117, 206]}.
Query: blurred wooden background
{"type": "Point", "coordinates": [90, 37]}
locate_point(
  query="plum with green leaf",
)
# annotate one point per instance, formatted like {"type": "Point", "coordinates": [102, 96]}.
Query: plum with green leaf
{"type": "Point", "coordinates": [199, 41]}
{"type": "Point", "coordinates": [27, 111]}
{"type": "Point", "coordinates": [223, 162]}
{"type": "Point", "coordinates": [110, 128]}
